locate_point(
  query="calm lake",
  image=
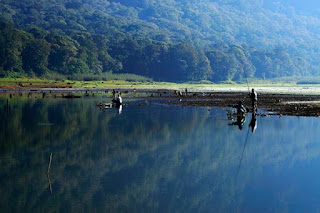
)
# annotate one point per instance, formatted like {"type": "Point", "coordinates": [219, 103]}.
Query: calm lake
{"type": "Point", "coordinates": [153, 158]}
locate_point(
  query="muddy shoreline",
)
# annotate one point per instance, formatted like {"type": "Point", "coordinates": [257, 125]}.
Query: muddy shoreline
{"type": "Point", "coordinates": [273, 103]}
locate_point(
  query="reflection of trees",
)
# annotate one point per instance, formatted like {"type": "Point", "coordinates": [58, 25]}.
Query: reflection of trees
{"type": "Point", "coordinates": [162, 159]}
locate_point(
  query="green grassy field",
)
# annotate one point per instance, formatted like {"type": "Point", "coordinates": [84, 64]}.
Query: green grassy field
{"type": "Point", "coordinates": [288, 86]}
{"type": "Point", "coordinates": [44, 83]}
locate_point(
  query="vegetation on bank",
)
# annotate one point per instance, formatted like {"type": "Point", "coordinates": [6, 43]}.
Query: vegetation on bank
{"type": "Point", "coordinates": [37, 83]}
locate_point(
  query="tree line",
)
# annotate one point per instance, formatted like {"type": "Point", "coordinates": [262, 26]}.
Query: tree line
{"type": "Point", "coordinates": [37, 52]}
{"type": "Point", "coordinates": [182, 42]}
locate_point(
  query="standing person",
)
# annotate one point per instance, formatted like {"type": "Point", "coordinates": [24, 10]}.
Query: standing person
{"type": "Point", "coordinates": [254, 100]}
{"type": "Point", "coordinates": [117, 101]}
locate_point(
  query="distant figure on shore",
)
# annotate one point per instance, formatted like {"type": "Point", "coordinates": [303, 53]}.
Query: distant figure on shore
{"type": "Point", "coordinates": [241, 115]}
{"type": "Point", "coordinates": [186, 90]}
{"type": "Point", "coordinates": [254, 100]}
{"type": "Point", "coordinates": [241, 110]}
{"type": "Point", "coordinates": [113, 93]}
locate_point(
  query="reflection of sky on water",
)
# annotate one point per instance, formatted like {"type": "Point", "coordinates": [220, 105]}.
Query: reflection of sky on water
{"type": "Point", "coordinates": [154, 158]}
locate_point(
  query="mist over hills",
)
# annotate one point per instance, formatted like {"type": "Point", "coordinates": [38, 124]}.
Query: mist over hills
{"type": "Point", "coordinates": [172, 40]}
{"type": "Point", "coordinates": [307, 6]}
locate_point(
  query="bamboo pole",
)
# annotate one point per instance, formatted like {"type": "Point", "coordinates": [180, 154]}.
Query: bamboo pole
{"type": "Point", "coordinates": [50, 159]}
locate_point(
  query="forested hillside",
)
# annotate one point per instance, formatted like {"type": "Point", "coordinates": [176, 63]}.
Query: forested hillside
{"type": "Point", "coordinates": [171, 40]}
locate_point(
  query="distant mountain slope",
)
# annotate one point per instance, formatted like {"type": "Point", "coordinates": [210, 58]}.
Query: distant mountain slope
{"type": "Point", "coordinates": [204, 21]}
{"type": "Point", "coordinates": [208, 21]}
{"type": "Point", "coordinates": [226, 37]}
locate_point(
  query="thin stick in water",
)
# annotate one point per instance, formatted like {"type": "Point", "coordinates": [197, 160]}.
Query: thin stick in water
{"type": "Point", "coordinates": [50, 186]}
{"type": "Point", "coordinates": [50, 159]}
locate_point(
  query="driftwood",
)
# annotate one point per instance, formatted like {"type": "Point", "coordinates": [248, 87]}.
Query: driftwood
{"type": "Point", "coordinates": [71, 96]}
{"type": "Point", "coordinates": [105, 105]}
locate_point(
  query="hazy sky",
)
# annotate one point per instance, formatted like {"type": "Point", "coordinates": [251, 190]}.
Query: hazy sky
{"type": "Point", "coordinates": [309, 5]}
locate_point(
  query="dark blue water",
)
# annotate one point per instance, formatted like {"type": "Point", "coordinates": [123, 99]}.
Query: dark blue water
{"type": "Point", "coordinates": [153, 158]}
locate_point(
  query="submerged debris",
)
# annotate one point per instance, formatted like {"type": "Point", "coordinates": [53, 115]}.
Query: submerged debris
{"type": "Point", "coordinates": [71, 96]}
{"type": "Point", "coordinates": [275, 104]}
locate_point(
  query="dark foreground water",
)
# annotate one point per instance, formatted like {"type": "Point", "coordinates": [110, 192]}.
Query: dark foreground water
{"type": "Point", "coordinates": [153, 158]}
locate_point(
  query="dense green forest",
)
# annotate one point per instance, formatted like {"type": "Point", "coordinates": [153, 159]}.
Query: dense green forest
{"type": "Point", "coordinates": [170, 40]}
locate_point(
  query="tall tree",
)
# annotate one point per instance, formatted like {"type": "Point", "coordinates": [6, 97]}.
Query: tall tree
{"type": "Point", "coordinates": [35, 56]}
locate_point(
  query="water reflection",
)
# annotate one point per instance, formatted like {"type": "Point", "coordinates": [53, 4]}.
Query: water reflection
{"type": "Point", "coordinates": [153, 159]}
{"type": "Point", "coordinates": [240, 120]}
{"type": "Point", "coordinates": [253, 123]}
{"type": "Point", "coordinates": [110, 105]}
{"type": "Point", "coordinates": [119, 109]}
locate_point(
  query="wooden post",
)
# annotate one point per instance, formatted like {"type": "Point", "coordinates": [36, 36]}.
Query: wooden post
{"type": "Point", "coordinates": [48, 171]}
{"type": "Point", "coordinates": [50, 159]}
{"type": "Point", "coordinates": [8, 106]}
